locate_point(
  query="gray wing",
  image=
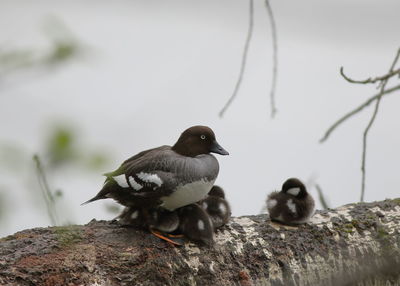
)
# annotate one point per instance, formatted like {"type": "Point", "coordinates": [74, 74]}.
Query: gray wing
{"type": "Point", "coordinates": [154, 173]}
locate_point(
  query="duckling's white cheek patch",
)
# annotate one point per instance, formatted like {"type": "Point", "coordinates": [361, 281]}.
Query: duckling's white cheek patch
{"type": "Point", "coordinates": [222, 208]}
{"type": "Point", "coordinates": [121, 181]}
{"type": "Point", "coordinates": [291, 206]}
{"type": "Point", "coordinates": [135, 214]}
{"type": "Point", "coordinates": [271, 203]}
{"type": "Point", "coordinates": [200, 224]}
{"type": "Point", "coordinates": [205, 205]}
{"type": "Point", "coordinates": [135, 185]}
{"type": "Point", "coordinates": [293, 191]}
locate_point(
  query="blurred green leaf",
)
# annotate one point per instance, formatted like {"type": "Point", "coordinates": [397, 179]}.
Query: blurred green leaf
{"type": "Point", "coordinates": [97, 161]}
{"type": "Point", "coordinates": [12, 60]}
{"type": "Point", "coordinates": [61, 147]}
{"type": "Point", "coordinates": [63, 46]}
{"type": "Point", "coordinates": [62, 51]}
{"type": "Point", "coordinates": [58, 194]}
{"type": "Point", "coordinates": [113, 208]}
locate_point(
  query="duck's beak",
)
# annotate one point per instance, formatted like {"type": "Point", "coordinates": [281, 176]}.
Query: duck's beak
{"type": "Point", "coordinates": [216, 148]}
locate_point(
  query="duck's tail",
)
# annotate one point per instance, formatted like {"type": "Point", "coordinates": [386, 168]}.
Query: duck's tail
{"type": "Point", "coordinates": [92, 200]}
{"type": "Point", "coordinates": [103, 194]}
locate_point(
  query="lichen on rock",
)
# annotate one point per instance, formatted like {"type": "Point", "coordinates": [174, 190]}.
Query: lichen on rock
{"type": "Point", "coordinates": [357, 243]}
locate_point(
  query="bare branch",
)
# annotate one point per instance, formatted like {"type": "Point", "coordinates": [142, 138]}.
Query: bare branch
{"type": "Point", "coordinates": [355, 111]}
{"type": "Point", "coordinates": [244, 59]}
{"type": "Point", "coordinates": [46, 192]}
{"type": "Point", "coordinates": [370, 123]}
{"type": "Point", "coordinates": [382, 80]}
{"type": "Point", "coordinates": [275, 57]}
{"type": "Point", "coordinates": [371, 80]}
{"type": "Point", "coordinates": [321, 197]}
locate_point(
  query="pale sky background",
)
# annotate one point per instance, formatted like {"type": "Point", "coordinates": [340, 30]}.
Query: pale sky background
{"type": "Point", "coordinates": [154, 68]}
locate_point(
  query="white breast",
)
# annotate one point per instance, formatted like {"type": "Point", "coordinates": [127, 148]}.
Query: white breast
{"type": "Point", "coordinates": [187, 194]}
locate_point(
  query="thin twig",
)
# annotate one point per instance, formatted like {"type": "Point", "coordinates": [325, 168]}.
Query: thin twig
{"type": "Point", "coordinates": [321, 197]}
{"type": "Point", "coordinates": [244, 59]}
{"type": "Point", "coordinates": [355, 111]}
{"type": "Point", "coordinates": [371, 80]}
{"type": "Point", "coordinates": [370, 123]}
{"type": "Point", "coordinates": [46, 192]}
{"type": "Point", "coordinates": [275, 57]}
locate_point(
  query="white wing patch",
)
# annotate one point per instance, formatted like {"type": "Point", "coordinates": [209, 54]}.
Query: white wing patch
{"type": "Point", "coordinates": [135, 185]}
{"type": "Point", "coordinates": [150, 178]}
{"type": "Point", "coordinates": [293, 191]}
{"type": "Point", "coordinates": [291, 206]}
{"type": "Point", "coordinates": [200, 224]}
{"type": "Point", "coordinates": [271, 203]}
{"type": "Point", "coordinates": [121, 181]}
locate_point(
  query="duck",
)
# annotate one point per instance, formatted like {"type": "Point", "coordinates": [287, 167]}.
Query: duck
{"type": "Point", "coordinates": [158, 221]}
{"type": "Point", "coordinates": [169, 177]}
{"type": "Point", "coordinates": [195, 224]}
{"type": "Point", "coordinates": [217, 207]}
{"type": "Point", "coordinates": [293, 205]}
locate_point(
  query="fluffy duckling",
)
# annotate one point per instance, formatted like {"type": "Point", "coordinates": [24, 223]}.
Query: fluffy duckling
{"type": "Point", "coordinates": [158, 221]}
{"type": "Point", "coordinates": [132, 216]}
{"type": "Point", "coordinates": [163, 220]}
{"type": "Point", "coordinates": [217, 207]}
{"type": "Point", "coordinates": [195, 224]}
{"type": "Point", "coordinates": [292, 205]}
{"type": "Point", "coordinates": [217, 191]}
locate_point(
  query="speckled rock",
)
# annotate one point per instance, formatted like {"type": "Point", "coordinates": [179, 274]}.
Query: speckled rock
{"type": "Point", "coordinates": [357, 244]}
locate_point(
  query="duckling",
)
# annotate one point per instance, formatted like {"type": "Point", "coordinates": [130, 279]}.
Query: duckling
{"type": "Point", "coordinates": [162, 223]}
{"type": "Point", "coordinates": [292, 205]}
{"type": "Point", "coordinates": [163, 220]}
{"type": "Point", "coordinates": [217, 207]}
{"type": "Point", "coordinates": [195, 224]}
{"type": "Point", "coordinates": [217, 191]}
{"type": "Point", "coordinates": [158, 221]}
{"type": "Point", "coordinates": [132, 216]}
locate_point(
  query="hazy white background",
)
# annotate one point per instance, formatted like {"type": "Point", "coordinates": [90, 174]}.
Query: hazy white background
{"type": "Point", "coordinates": [154, 68]}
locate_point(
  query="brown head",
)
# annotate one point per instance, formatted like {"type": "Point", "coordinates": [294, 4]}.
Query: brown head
{"type": "Point", "coordinates": [198, 140]}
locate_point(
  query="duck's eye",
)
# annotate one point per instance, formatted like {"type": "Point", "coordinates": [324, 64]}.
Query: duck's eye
{"type": "Point", "coordinates": [202, 137]}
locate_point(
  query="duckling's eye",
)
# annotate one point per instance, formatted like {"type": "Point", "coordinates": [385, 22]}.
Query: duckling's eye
{"type": "Point", "coordinates": [202, 137]}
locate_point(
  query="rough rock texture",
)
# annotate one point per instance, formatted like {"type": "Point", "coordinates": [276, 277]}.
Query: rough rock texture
{"type": "Point", "coordinates": [356, 244]}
